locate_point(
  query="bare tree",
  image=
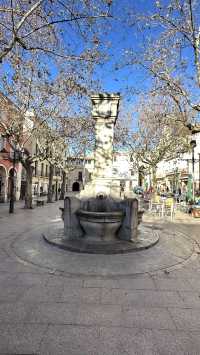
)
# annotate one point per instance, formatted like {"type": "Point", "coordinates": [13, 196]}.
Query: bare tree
{"type": "Point", "coordinates": [29, 138]}
{"type": "Point", "coordinates": [50, 27]}
{"type": "Point", "coordinates": [171, 51]}
{"type": "Point", "coordinates": [157, 136]}
{"type": "Point", "coordinates": [55, 121]}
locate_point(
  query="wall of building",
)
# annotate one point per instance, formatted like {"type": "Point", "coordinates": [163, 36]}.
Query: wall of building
{"type": "Point", "coordinates": [173, 174]}
{"type": "Point", "coordinates": [79, 173]}
{"type": "Point", "coordinates": [123, 170]}
{"type": "Point", "coordinates": [7, 164]}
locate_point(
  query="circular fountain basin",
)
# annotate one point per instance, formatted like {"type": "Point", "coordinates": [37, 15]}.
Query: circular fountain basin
{"type": "Point", "coordinates": [100, 226]}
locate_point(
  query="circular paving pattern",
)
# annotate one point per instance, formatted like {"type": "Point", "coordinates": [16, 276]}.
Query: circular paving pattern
{"type": "Point", "coordinates": [171, 250]}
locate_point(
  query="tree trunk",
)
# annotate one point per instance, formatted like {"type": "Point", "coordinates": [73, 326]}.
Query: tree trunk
{"type": "Point", "coordinates": [154, 177]}
{"type": "Point", "coordinates": [197, 60]}
{"type": "Point", "coordinates": [50, 192]}
{"type": "Point", "coordinates": [63, 186]}
{"type": "Point", "coordinates": [28, 192]}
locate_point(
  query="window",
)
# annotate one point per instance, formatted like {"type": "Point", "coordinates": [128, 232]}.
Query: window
{"type": "Point", "coordinates": [80, 176]}
{"type": "Point", "coordinates": [46, 172]}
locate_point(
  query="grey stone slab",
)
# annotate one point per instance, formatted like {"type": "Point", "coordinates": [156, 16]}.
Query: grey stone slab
{"type": "Point", "coordinates": [12, 293]}
{"type": "Point", "coordinates": [21, 338]}
{"type": "Point", "coordinates": [13, 266]}
{"type": "Point", "coordinates": [70, 340]}
{"type": "Point", "coordinates": [190, 299]}
{"type": "Point", "coordinates": [24, 279]}
{"type": "Point", "coordinates": [3, 255]}
{"type": "Point", "coordinates": [172, 284]}
{"type": "Point", "coordinates": [100, 282]}
{"type": "Point", "coordinates": [99, 315]}
{"type": "Point", "coordinates": [117, 341]}
{"type": "Point", "coordinates": [52, 313]}
{"type": "Point", "coordinates": [151, 318]}
{"type": "Point", "coordinates": [176, 342]}
{"type": "Point", "coordinates": [55, 281]}
{"type": "Point", "coordinates": [5, 277]}
{"type": "Point", "coordinates": [180, 272]}
{"type": "Point", "coordinates": [186, 318]}
{"type": "Point", "coordinates": [81, 295]}
{"type": "Point", "coordinates": [146, 298]}
{"type": "Point", "coordinates": [195, 281]}
{"type": "Point", "coordinates": [43, 294]}
{"type": "Point", "coordinates": [136, 283]}
{"type": "Point", "coordinates": [30, 279]}
{"type": "Point", "coordinates": [178, 243]}
{"type": "Point", "coordinates": [13, 312]}
{"type": "Point", "coordinates": [123, 341]}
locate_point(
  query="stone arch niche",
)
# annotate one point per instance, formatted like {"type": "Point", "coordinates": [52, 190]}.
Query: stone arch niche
{"type": "Point", "coordinates": [76, 186]}
{"type": "Point", "coordinates": [3, 184]}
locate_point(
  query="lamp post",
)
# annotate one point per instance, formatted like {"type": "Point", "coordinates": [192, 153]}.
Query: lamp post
{"type": "Point", "coordinates": [193, 145]}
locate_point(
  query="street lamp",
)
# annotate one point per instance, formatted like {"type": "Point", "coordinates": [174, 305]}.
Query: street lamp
{"type": "Point", "coordinates": [193, 145]}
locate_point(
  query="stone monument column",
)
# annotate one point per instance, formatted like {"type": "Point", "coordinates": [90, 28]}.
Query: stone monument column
{"type": "Point", "coordinates": [105, 112]}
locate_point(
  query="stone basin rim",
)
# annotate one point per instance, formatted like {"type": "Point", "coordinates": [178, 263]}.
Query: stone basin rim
{"type": "Point", "coordinates": [100, 215]}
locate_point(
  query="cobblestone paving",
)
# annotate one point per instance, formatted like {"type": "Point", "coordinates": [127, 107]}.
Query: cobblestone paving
{"type": "Point", "coordinates": [57, 302]}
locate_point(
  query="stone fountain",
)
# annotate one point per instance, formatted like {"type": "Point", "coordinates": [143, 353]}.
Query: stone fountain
{"type": "Point", "coordinates": [98, 221]}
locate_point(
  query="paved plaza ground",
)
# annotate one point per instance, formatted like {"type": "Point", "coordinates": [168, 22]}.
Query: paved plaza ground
{"type": "Point", "coordinates": [57, 302]}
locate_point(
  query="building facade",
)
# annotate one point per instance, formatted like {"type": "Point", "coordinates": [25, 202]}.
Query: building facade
{"type": "Point", "coordinates": [80, 172]}
{"type": "Point", "coordinates": [173, 175]}
{"type": "Point", "coordinates": [12, 174]}
{"type": "Point", "coordinates": [10, 169]}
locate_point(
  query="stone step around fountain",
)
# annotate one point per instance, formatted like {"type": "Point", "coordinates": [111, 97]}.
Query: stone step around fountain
{"type": "Point", "coordinates": [147, 238]}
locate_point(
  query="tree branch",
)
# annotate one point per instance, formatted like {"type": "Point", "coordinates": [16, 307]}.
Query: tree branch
{"type": "Point", "coordinates": [83, 17]}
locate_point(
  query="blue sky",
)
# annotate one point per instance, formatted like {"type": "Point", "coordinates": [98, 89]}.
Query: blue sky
{"type": "Point", "coordinates": [121, 36]}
